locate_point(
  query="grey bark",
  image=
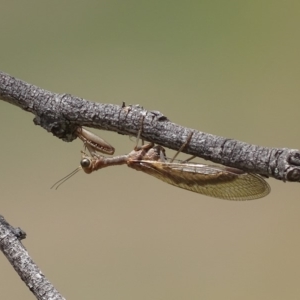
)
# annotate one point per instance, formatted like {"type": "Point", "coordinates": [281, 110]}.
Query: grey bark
{"type": "Point", "coordinates": [19, 258]}
{"type": "Point", "coordinates": [61, 114]}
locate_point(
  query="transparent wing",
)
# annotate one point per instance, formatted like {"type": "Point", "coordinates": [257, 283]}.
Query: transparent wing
{"type": "Point", "coordinates": [215, 181]}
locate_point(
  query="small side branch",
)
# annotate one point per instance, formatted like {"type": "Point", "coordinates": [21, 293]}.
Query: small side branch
{"type": "Point", "coordinates": [19, 258]}
{"type": "Point", "coordinates": [62, 114]}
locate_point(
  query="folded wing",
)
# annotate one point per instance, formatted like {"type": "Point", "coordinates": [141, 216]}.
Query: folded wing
{"type": "Point", "coordinates": [215, 181]}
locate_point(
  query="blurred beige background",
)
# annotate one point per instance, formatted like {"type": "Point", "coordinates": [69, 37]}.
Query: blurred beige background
{"type": "Point", "coordinates": [229, 68]}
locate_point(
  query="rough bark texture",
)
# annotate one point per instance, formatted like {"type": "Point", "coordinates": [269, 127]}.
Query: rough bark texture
{"type": "Point", "coordinates": [19, 258]}
{"type": "Point", "coordinates": [61, 114]}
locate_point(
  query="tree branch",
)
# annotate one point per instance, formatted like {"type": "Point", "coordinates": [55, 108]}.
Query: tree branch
{"type": "Point", "coordinates": [61, 114]}
{"type": "Point", "coordinates": [19, 258]}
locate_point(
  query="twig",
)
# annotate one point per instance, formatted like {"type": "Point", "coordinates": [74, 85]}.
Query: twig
{"type": "Point", "coordinates": [19, 258]}
{"type": "Point", "coordinates": [61, 114]}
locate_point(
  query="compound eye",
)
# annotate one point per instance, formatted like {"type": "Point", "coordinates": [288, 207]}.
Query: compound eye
{"type": "Point", "coordinates": [85, 162]}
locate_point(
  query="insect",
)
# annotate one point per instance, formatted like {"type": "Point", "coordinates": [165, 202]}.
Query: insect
{"type": "Point", "coordinates": [215, 181]}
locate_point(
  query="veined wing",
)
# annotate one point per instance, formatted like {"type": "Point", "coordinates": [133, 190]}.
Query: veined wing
{"type": "Point", "coordinates": [215, 181]}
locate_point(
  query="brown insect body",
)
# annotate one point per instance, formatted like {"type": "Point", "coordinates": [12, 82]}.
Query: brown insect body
{"type": "Point", "coordinates": [215, 181]}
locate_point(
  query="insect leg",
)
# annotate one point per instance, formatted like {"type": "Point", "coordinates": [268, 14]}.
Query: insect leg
{"type": "Point", "coordinates": [94, 143]}
{"type": "Point", "coordinates": [140, 132]}
{"type": "Point", "coordinates": [183, 145]}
